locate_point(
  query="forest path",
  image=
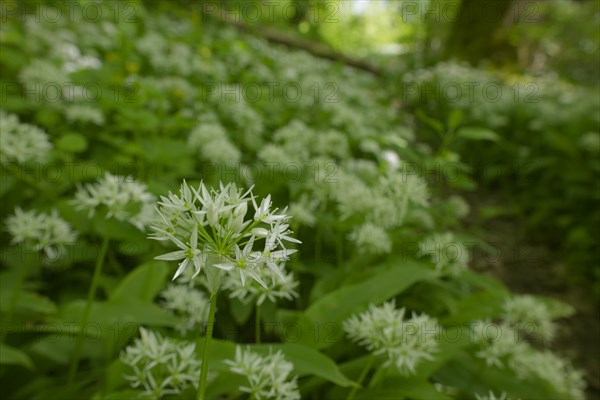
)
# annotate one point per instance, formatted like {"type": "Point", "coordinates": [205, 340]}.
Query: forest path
{"type": "Point", "coordinates": [536, 268]}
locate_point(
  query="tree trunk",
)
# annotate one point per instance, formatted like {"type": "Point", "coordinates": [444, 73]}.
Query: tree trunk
{"type": "Point", "coordinates": [477, 32]}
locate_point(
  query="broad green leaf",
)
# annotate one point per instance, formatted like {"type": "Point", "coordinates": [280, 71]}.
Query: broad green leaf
{"type": "Point", "coordinates": [115, 375]}
{"type": "Point", "coordinates": [307, 361]}
{"type": "Point", "coordinates": [129, 394]}
{"type": "Point", "coordinates": [28, 302]}
{"type": "Point", "coordinates": [454, 119]}
{"type": "Point", "coordinates": [11, 356]}
{"type": "Point", "coordinates": [72, 143]}
{"type": "Point", "coordinates": [58, 348]}
{"type": "Point", "coordinates": [431, 122]}
{"type": "Point", "coordinates": [476, 133]}
{"type": "Point", "coordinates": [143, 283]}
{"type": "Point", "coordinates": [482, 281]}
{"type": "Point", "coordinates": [472, 375]}
{"type": "Point", "coordinates": [414, 388]}
{"type": "Point", "coordinates": [224, 384]}
{"type": "Point", "coordinates": [481, 305]}
{"type": "Point", "coordinates": [320, 325]}
{"type": "Point", "coordinates": [113, 228]}
{"type": "Point", "coordinates": [240, 311]}
{"type": "Point", "coordinates": [119, 311]}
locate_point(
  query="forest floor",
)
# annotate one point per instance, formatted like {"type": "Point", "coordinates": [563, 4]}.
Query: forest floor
{"type": "Point", "coordinates": [546, 275]}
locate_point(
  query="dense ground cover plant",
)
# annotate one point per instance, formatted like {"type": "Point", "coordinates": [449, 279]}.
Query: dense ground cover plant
{"type": "Point", "coordinates": [546, 135]}
{"type": "Point", "coordinates": [189, 277]}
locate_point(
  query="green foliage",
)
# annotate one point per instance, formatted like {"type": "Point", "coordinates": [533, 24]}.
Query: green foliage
{"type": "Point", "coordinates": [174, 102]}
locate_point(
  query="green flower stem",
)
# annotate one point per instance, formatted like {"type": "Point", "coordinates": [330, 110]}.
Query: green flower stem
{"type": "Point", "coordinates": [207, 339]}
{"type": "Point", "coordinates": [361, 377]}
{"type": "Point", "coordinates": [86, 312]}
{"type": "Point", "coordinates": [257, 324]}
{"type": "Point", "coordinates": [377, 377]}
{"type": "Point", "coordinates": [339, 247]}
{"type": "Point", "coordinates": [318, 238]}
{"type": "Point", "coordinates": [18, 286]}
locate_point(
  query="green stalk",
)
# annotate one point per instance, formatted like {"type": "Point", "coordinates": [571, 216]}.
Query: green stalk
{"type": "Point", "coordinates": [257, 324]}
{"type": "Point", "coordinates": [86, 312]}
{"type": "Point", "coordinates": [207, 339]}
{"type": "Point", "coordinates": [377, 377]}
{"type": "Point", "coordinates": [361, 377]}
{"type": "Point", "coordinates": [18, 286]}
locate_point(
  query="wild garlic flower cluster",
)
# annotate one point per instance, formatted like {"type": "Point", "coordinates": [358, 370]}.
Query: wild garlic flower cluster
{"type": "Point", "coordinates": [530, 315]}
{"type": "Point", "coordinates": [211, 229]}
{"type": "Point", "coordinates": [381, 206]}
{"type": "Point", "coordinates": [449, 255]}
{"type": "Point", "coordinates": [268, 376]}
{"type": "Point", "coordinates": [21, 142]}
{"type": "Point", "coordinates": [371, 238]}
{"type": "Point", "coordinates": [498, 342]}
{"type": "Point", "coordinates": [84, 113]}
{"type": "Point", "coordinates": [253, 292]}
{"type": "Point", "coordinates": [210, 139]}
{"type": "Point", "coordinates": [124, 198]}
{"type": "Point", "coordinates": [383, 330]}
{"type": "Point", "coordinates": [555, 370]}
{"type": "Point", "coordinates": [458, 206]}
{"type": "Point", "coordinates": [41, 231]}
{"type": "Point", "coordinates": [502, 346]}
{"type": "Point", "coordinates": [492, 396]}
{"type": "Point", "coordinates": [189, 304]}
{"type": "Point", "coordinates": [161, 366]}
{"type": "Point", "coordinates": [240, 113]}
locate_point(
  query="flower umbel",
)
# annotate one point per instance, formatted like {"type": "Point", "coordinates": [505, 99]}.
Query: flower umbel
{"type": "Point", "coordinates": [384, 330]}
{"type": "Point", "coordinates": [212, 231]}
{"type": "Point", "coordinates": [190, 304]}
{"type": "Point", "coordinates": [41, 231]}
{"type": "Point", "coordinates": [161, 366]}
{"type": "Point", "coordinates": [255, 292]}
{"type": "Point", "coordinates": [531, 315]}
{"type": "Point", "coordinates": [21, 142]}
{"type": "Point", "coordinates": [449, 255]}
{"type": "Point", "coordinates": [267, 375]}
{"type": "Point", "coordinates": [492, 396]}
{"type": "Point", "coordinates": [125, 199]}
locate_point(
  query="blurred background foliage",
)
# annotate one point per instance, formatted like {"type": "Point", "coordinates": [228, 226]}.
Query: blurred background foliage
{"type": "Point", "coordinates": [525, 153]}
{"type": "Point", "coordinates": [544, 56]}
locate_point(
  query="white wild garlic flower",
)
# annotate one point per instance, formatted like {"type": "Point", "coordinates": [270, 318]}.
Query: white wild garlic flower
{"type": "Point", "coordinates": [502, 346]}
{"type": "Point", "coordinates": [212, 230]}
{"type": "Point", "coordinates": [448, 254]}
{"type": "Point", "coordinates": [41, 231]}
{"type": "Point", "coordinates": [189, 304]}
{"type": "Point", "coordinates": [124, 198]}
{"type": "Point", "coordinates": [384, 331]}
{"type": "Point", "coordinates": [21, 142]}
{"type": "Point", "coordinates": [268, 376]}
{"type": "Point", "coordinates": [161, 366]}
{"type": "Point", "coordinates": [498, 342]}
{"type": "Point", "coordinates": [256, 293]}
{"type": "Point", "coordinates": [371, 238]}
{"type": "Point", "coordinates": [492, 396]}
{"type": "Point", "coordinates": [210, 139]}
{"type": "Point", "coordinates": [83, 113]}
{"type": "Point", "coordinates": [558, 372]}
{"type": "Point", "coordinates": [458, 206]}
{"type": "Point", "coordinates": [530, 315]}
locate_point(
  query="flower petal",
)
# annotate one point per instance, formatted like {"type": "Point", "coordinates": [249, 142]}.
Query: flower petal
{"type": "Point", "coordinates": [226, 267]}
{"type": "Point", "coordinates": [182, 266]}
{"type": "Point", "coordinates": [172, 256]}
